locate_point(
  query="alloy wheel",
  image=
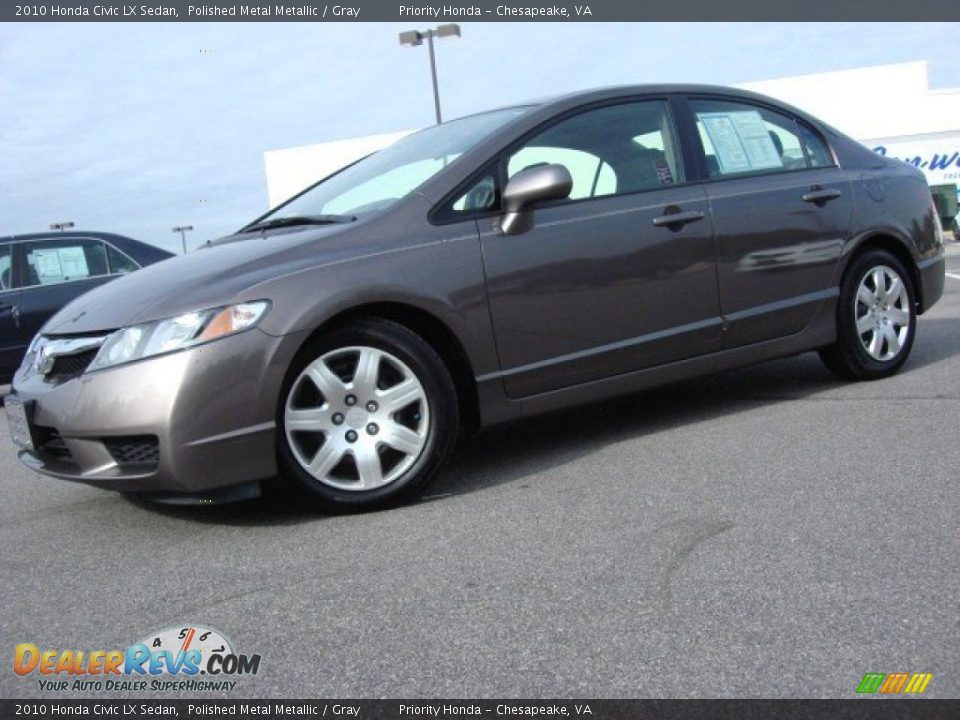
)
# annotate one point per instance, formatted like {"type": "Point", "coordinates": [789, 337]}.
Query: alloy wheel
{"type": "Point", "coordinates": [882, 313]}
{"type": "Point", "coordinates": [357, 418]}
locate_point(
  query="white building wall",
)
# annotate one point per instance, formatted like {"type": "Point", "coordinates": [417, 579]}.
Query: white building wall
{"type": "Point", "coordinates": [291, 170]}
{"type": "Point", "coordinates": [889, 108]}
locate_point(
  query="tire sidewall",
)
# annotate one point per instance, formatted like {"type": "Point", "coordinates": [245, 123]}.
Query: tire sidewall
{"type": "Point", "coordinates": [441, 398]}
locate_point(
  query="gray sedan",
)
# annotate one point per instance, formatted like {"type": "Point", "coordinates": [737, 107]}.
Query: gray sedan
{"type": "Point", "coordinates": [488, 269]}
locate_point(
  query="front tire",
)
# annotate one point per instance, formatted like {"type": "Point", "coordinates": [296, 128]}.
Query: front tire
{"type": "Point", "coordinates": [368, 415]}
{"type": "Point", "coordinates": [876, 318]}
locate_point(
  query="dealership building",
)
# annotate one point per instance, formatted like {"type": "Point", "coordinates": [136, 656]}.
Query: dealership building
{"type": "Point", "coordinates": [889, 108]}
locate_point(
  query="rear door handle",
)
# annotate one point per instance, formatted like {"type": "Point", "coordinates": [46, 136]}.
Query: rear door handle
{"type": "Point", "coordinates": [678, 219]}
{"type": "Point", "coordinates": [819, 196]}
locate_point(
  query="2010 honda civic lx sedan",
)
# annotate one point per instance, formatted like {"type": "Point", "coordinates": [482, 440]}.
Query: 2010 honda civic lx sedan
{"type": "Point", "coordinates": [487, 269]}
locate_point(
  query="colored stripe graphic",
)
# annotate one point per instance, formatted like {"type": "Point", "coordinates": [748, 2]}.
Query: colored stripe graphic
{"type": "Point", "coordinates": [894, 683]}
{"type": "Point", "coordinates": [918, 683]}
{"type": "Point", "coordinates": [871, 682]}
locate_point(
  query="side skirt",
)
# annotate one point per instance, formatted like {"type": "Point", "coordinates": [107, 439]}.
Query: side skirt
{"type": "Point", "coordinates": [496, 407]}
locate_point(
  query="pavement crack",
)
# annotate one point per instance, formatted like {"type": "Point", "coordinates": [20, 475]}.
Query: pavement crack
{"type": "Point", "coordinates": [683, 537]}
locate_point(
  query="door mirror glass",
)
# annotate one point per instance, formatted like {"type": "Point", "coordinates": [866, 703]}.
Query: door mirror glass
{"type": "Point", "coordinates": [539, 183]}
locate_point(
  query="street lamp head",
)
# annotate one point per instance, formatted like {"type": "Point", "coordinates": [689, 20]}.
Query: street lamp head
{"type": "Point", "coordinates": [411, 38]}
{"type": "Point", "coordinates": [182, 228]}
{"type": "Point", "coordinates": [61, 226]}
{"type": "Point", "coordinates": [450, 30]}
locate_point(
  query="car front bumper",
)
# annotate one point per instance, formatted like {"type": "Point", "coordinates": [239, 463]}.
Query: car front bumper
{"type": "Point", "coordinates": [192, 422]}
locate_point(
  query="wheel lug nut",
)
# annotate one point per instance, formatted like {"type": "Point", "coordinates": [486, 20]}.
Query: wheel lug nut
{"type": "Point", "coordinates": [373, 429]}
{"type": "Point", "coordinates": [337, 418]}
{"type": "Point", "coordinates": [351, 436]}
{"type": "Point", "coordinates": [371, 406]}
{"type": "Point", "coordinates": [350, 400]}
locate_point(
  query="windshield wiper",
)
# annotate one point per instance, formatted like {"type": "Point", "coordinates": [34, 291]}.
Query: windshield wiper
{"type": "Point", "coordinates": [299, 220]}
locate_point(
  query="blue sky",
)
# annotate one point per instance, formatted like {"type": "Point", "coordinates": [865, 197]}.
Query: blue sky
{"type": "Point", "coordinates": [134, 128]}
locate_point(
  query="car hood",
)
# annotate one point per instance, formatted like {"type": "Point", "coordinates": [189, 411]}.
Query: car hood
{"type": "Point", "coordinates": [211, 276]}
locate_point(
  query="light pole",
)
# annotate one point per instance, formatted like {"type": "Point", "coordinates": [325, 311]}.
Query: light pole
{"type": "Point", "coordinates": [61, 226]}
{"type": "Point", "coordinates": [413, 38]}
{"type": "Point", "coordinates": [182, 229]}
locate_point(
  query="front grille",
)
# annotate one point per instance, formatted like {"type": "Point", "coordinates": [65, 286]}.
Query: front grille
{"type": "Point", "coordinates": [49, 444]}
{"type": "Point", "coordinates": [71, 366]}
{"type": "Point", "coordinates": [140, 450]}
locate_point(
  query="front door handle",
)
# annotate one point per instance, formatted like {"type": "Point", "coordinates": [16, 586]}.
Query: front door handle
{"type": "Point", "coordinates": [13, 309]}
{"type": "Point", "coordinates": [676, 220]}
{"type": "Point", "coordinates": [820, 197]}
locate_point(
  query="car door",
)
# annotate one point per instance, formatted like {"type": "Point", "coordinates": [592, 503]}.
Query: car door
{"type": "Point", "coordinates": [781, 208]}
{"type": "Point", "coordinates": [605, 282]}
{"type": "Point", "coordinates": [12, 342]}
{"type": "Point", "coordinates": [56, 271]}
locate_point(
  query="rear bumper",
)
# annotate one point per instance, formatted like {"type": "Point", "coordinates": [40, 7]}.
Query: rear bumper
{"type": "Point", "coordinates": [210, 410]}
{"type": "Point", "coordinates": [932, 279]}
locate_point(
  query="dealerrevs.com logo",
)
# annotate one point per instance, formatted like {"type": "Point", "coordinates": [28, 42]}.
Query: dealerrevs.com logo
{"type": "Point", "coordinates": [894, 683]}
{"type": "Point", "coordinates": [176, 659]}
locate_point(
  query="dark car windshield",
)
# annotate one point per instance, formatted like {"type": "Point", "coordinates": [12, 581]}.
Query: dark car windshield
{"type": "Point", "coordinates": [378, 181]}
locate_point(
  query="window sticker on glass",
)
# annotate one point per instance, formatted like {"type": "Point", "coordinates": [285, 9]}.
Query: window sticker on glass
{"type": "Point", "coordinates": [663, 172]}
{"type": "Point", "coordinates": [47, 263]}
{"type": "Point", "coordinates": [741, 141]}
{"type": "Point", "coordinates": [74, 262]}
{"type": "Point", "coordinates": [59, 264]}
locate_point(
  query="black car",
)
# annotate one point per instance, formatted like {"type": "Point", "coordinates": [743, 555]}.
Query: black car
{"type": "Point", "coordinates": [42, 272]}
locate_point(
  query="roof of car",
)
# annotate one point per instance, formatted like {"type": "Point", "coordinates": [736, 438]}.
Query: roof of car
{"type": "Point", "coordinates": [647, 89]}
{"type": "Point", "coordinates": [121, 241]}
{"type": "Point", "coordinates": [614, 91]}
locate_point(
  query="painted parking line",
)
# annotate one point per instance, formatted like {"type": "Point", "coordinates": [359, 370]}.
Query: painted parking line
{"type": "Point", "coordinates": [953, 275]}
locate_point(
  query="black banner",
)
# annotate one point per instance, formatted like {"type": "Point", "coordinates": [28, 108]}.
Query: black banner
{"type": "Point", "coordinates": [862, 709]}
{"type": "Point", "coordinates": [475, 10]}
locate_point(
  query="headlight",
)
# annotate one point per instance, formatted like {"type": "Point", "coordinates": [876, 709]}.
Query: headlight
{"type": "Point", "coordinates": [163, 336]}
{"type": "Point", "coordinates": [31, 354]}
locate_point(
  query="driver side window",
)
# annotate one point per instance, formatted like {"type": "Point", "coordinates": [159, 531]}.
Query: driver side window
{"type": "Point", "coordinates": [612, 150]}
{"type": "Point", "coordinates": [592, 177]}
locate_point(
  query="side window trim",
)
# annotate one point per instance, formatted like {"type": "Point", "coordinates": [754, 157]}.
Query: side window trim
{"type": "Point", "coordinates": [439, 216]}
{"type": "Point", "coordinates": [687, 117]}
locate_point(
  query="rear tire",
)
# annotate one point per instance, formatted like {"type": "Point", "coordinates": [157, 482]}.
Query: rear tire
{"type": "Point", "coordinates": [876, 318]}
{"type": "Point", "coordinates": [367, 417]}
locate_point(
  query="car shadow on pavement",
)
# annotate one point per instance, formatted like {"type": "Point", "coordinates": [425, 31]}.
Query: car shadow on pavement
{"type": "Point", "coordinates": [509, 453]}
{"type": "Point", "coordinates": [271, 509]}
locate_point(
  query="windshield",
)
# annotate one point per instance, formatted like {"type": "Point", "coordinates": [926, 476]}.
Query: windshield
{"type": "Point", "coordinates": [378, 181]}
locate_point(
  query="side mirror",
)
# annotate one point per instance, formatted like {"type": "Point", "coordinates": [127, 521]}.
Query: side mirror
{"type": "Point", "coordinates": [529, 186]}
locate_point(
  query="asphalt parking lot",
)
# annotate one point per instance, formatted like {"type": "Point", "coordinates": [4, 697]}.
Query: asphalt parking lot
{"type": "Point", "coordinates": [767, 532]}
